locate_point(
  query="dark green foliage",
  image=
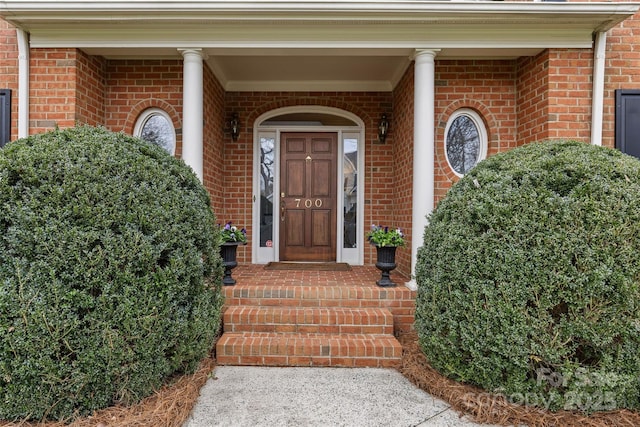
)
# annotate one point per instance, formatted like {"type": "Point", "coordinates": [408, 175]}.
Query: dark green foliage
{"type": "Point", "coordinates": [529, 278]}
{"type": "Point", "coordinates": [107, 246]}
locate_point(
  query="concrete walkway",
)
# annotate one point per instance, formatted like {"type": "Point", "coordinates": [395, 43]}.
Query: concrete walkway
{"type": "Point", "coordinates": [368, 397]}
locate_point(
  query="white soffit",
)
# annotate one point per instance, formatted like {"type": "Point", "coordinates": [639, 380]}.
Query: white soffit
{"type": "Point", "coordinates": [312, 45]}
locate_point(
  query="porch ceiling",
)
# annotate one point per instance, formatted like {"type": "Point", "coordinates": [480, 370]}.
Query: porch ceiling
{"type": "Point", "coordinates": [312, 45]}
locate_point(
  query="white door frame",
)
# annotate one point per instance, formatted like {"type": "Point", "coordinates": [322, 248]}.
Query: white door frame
{"type": "Point", "coordinates": [263, 255]}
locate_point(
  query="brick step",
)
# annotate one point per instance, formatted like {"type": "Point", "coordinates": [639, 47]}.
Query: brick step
{"type": "Point", "coordinates": [308, 349]}
{"type": "Point", "coordinates": [334, 320]}
{"type": "Point", "coordinates": [399, 300]}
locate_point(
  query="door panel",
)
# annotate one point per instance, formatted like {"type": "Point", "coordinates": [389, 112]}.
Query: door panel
{"type": "Point", "coordinates": [295, 179]}
{"type": "Point", "coordinates": [320, 185]}
{"type": "Point", "coordinates": [321, 223]}
{"type": "Point", "coordinates": [295, 230]}
{"type": "Point", "coordinates": [308, 199]}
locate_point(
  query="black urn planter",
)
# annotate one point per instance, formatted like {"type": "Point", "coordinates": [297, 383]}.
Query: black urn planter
{"type": "Point", "coordinates": [228, 253]}
{"type": "Point", "coordinates": [386, 262]}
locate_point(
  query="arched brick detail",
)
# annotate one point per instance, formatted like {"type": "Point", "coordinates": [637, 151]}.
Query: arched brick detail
{"type": "Point", "coordinates": [311, 102]}
{"type": "Point", "coordinates": [442, 167]}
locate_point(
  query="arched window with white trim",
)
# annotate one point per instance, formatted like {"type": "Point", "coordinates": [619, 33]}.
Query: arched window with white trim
{"type": "Point", "coordinates": [154, 125]}
{"type": "Point", "coordinates": [465, 140]}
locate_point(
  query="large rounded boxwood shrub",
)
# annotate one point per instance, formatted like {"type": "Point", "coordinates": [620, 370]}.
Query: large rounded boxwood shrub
{"type": "Point", "coordinates": [108, 266]}
{"type": "Point", "coordinates": [529, 278]}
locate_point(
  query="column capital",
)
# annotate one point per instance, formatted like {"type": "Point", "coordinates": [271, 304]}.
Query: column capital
{"type": "Point", "coordinates": [191, 52]}
{"type": "Point", "coordinates": [425, 53]}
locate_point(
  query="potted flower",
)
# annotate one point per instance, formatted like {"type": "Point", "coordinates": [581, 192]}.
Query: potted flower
{"type": "Point", "coordinates": [386, 240]}
{"type": "Point", "coordinates": [230, 236]}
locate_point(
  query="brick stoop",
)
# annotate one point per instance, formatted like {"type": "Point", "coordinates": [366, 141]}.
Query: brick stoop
{"type": "Point", "coordinates": [285, 318]}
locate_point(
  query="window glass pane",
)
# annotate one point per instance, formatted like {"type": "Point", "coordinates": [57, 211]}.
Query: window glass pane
{"type": "Point", "coordinates": [267, 147]}
{"type": "Point", "coordinates": [350, 172]}
{"type": "Point", "coordinates": [157, 130]}
{"type": "Point", "coordinates": [463, 144]}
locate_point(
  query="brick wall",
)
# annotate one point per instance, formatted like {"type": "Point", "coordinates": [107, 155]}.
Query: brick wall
{"type": "Point", "coordinates": [532, 104]}
{"type": "Point", "coordinates": [9, 70]}
{"type": "Point", "coordinates": [570, 88]}
{"type": "Point", "coordinates": [214, 143]}
{"type": "Point", "coordinates": [90, 89]}
{"type": "Point", "coordinates": [52, 89]}
{"type": "Point", "coordinates": [401, 136]}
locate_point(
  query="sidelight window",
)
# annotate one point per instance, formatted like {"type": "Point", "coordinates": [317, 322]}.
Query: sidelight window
{"type": "Point", "coordinates": [350, 192]}
{"type": "Point", "coordinates": [267, 172]}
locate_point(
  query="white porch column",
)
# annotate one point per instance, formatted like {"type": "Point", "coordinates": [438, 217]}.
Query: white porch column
{"type": "Point", "coordinates": [23, 83]}
{"type": "Point", "coordinates": [192, 110]}
{"type": "Point", "coordinates": [423, 149]}
{"type": "Point", "coordinates": [597, 105]}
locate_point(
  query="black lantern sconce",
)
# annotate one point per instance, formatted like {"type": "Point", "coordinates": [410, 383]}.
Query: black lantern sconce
{"type": "Point", "coordinates": [383, 129]}
{"type": "Point", "coordinates": [235, 126]}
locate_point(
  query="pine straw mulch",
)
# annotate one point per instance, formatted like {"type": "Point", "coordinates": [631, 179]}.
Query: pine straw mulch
{"type": "Point", "coordinates": [171, 405]}
{"type": "Point", "coordinates": [492, 409]}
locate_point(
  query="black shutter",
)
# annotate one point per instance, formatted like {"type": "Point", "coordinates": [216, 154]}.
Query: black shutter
{"type": "Point", "coordinates": [5, 116]}
{"type": "Point", "coordinates": [628, 121]}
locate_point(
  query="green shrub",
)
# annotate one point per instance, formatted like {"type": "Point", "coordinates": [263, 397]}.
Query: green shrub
{"type": "Point", "coordinates": [529, 278]}
{"type": "Point", "coordinates": [107, 247]}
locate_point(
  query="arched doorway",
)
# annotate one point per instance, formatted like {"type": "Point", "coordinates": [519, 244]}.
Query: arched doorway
{"type": "Point", "coordinates": [308, 186]}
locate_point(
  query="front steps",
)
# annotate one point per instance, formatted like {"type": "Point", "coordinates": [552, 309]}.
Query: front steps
{"type": "Point", "coordinates": [289, 324]}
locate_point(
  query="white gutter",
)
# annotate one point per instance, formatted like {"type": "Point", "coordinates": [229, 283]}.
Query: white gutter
{"type": "Point", "coordinates": [23, 83]}
{"type": "Point", "coordinates": [599, 56]}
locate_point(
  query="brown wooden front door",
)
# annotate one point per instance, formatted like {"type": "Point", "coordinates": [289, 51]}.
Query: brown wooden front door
{"type": "Point", "coordinates": [308, 196]}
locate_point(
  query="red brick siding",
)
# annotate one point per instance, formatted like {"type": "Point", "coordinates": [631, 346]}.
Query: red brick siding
{"type": "Point", "coordinates": [570, 88]}
{"type": "Point", "coordinates": [532, 105]}
{"type": "Point", "coordinates": [90, 89]}
{"type": "Point", "coordinates": [52, 89]}
{"type": "Point", "coordinates": [214, 143]}
{"type": "Point", "coordinates": [401, 135]}
{"type": "Point", "coordinates": [9, 70]}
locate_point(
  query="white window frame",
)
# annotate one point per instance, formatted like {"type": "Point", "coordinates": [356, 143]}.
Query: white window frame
{"type": "Point", "coordinates": [482, 134]}
{"type": "Point", "coordinates": [148, 114]}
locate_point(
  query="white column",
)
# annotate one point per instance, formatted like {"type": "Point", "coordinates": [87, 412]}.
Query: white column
{"type": "Point", "coordinates": [423, 149]}
{"type": "Point", "coordinates": [23, 83]}
{"type": "Point", "coordinates": [597, 106]}
{"type": "Point", "coordinates": [192, 110]}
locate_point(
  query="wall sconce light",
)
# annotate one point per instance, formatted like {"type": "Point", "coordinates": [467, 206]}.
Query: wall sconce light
{"type": "Point", "coordinates": [235, 127]}
{"type": "Point", "coordinates": [383, 128]}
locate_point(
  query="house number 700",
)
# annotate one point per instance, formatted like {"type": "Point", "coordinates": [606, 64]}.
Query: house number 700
{"type": "Point", "coordinates": [308, 203]}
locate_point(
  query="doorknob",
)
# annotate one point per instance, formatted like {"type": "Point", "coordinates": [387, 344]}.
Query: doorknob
{"type": "Point", "coordinates": [282, 209]}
